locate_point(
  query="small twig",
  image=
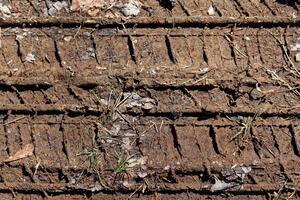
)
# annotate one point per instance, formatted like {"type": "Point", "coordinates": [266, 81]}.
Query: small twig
{"type": "Point", "coordinates": [185, 9]}
{"type": "Point", "coordinates": [15, 120]}
{"type": "Point", "coordinates": [109, 99]}
{"type": "Point", "coordinates": [278, 194]}
{"type": "Point", "coordinates": [95, 47]}
{"type": "Point", "coordinates": [126, 120]}
{"type": "Point", "coordinates": [36, 167]}
{"type": "Point", "coordinates": [243, 129]}
{"type": "Point", "coordinates": [161, 124]}
{"type": "Point", "coordinates": [34, 7]}
{"type": "Point", "coordinates": [278, 78]}
{"type": "Point", "coordinates": [100, 180]}
{"type": "Point", "coordinates": [145, 131]}
{"type": "Point", "coordinates": [285, 53]}
{"type": "Point", "coordinates": [111, 138]}
{"type": "Point", "coordinates": [155, 126]}
{"type": "Point", "coordinates": [123, 101]}
{"type": "Point", "coordinates": [108, 131]}
{"type": "Point", "coordinates": [293, 193]}
{"type": "Point", "coordinates": [77, 32]}
{"type": "Point", "coordinates": [140, 187]}
{"type": "Point", "coordinates": [123, 25]}
{"type": "Point", "coordinates": [234, 46]}
{"type": "Point", "coordinates": [244, 126]}
{"type": "Point", "coordinates": [117, 102]}
{"type": "Point", "coordinates": [276, 90]}
{"type": "Point", "coordinates": [13, 193]}
{"type": "Point", "coordinates": [111, 5]}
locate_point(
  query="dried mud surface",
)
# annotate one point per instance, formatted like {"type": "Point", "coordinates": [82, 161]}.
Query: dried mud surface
{"type": "Point", "coordinates": [149, 110]}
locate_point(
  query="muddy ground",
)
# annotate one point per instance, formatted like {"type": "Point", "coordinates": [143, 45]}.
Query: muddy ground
{"type": "Point", "coordinates": [188, 100]}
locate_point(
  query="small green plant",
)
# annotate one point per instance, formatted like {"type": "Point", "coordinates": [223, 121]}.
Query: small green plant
{"type": "Point", "coordinates": [124, 164]}
{"type": "Point", "coordinates": [121, 166]}
{"type": "Point", "coordinates": [91, 156]}
{"type": "Point", "coordinates": [92, 153]}
{"type": "Point", "coordinates": [244, 126]}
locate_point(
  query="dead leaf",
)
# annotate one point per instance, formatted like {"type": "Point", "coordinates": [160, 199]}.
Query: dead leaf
{"type": "Point", "coordinates": [221, 185]}
{"type": "Point", "coordinates": [24, 152]}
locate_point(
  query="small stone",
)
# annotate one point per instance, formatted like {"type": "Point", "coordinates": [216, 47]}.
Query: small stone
{"type": "Point", "coordinates": [87, 5]}
{"type": "Point", "coordinates": [88, 53]}
{"type": "Point", "coordinates": [97, 188]}
{"type": "Point", "coordinates": [4, 9]}
{"type": "Point", "coordinates": [148, 106]}
{"type": "Point", "coordinates": [135, 96]}
{"type": "Point", "coordinates": [143, 160]}
{"type": "Point", "coordinates": [167, 168]}
{"type": "Point", "coordinates": [220, 186]}
{"type": "Point", "coordinates": [295, 47]}
{"type": "Point", "coordinates": [128, 184]}
{"type": "Point", "coordinates": [30, 58]}
{"type": "Point", "coordinates": [211, 11]}
{"type": "Point", "coordinates": [297, 57]}
{"type": "Point", "coordinates": [87, 34]}
{"type": "Point", "coordinates": [19, 37]}
{"type": "Point", "coordinates": [204, 70]}
{"type": "Point", "coordinates": [246, 38]}
{"type": "Point", "coordinates": [255, 162]}
{"type": "Point", "coordinates": [72, 180]}
{"type": "Point", "coordinates": [68, 38]}
{"type": "Point", "coordinates": [45, 12]}
{"type": "Point", "coordinates": [52, 11]}
{"type": "Point", "coordinates": [130, 9]}
{"type": "Point", "coordinates": [58, 5]}
{"type": "Point", "coordinates": [142, 174]}
{"type": "Point", "coordinates": [93, 12]}
{"type": "Point", "coordinates": [115, 129]}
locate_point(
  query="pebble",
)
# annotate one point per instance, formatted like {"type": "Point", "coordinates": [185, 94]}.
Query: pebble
{"type": "Point", "coordinates": [30, 58]}
{"type": "Point", "coordinates": [297, 57]}
{"type": "Point", "coordinates": [130, 9]}
{"type": "Point", "coordinates": [4, 9]}
{"type": "Point", "coordinates": [211, 11]}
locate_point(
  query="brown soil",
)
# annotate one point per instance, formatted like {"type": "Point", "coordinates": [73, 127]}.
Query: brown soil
{"type": "Point", "coordinates": [205, 110]}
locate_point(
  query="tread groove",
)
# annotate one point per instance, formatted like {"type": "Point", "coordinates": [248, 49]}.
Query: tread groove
{"type": "Point", "coordinates": [176, 144]}
{"type": "Point", "coordinates": [213, 137]}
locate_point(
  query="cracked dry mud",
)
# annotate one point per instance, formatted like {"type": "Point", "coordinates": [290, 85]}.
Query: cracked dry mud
{"type": "Point", "coordinates": [196, 100]}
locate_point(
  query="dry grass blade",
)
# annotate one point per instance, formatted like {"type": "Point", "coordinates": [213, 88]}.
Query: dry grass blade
{"type": "Point", "coordinates": [234, 46]}
{"type": "Point", "coordinates": [282, 81]}
{"type": "Point", "coordinates": [15, 120]}
{"type": "Point", "coordinates": [280, 41]}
